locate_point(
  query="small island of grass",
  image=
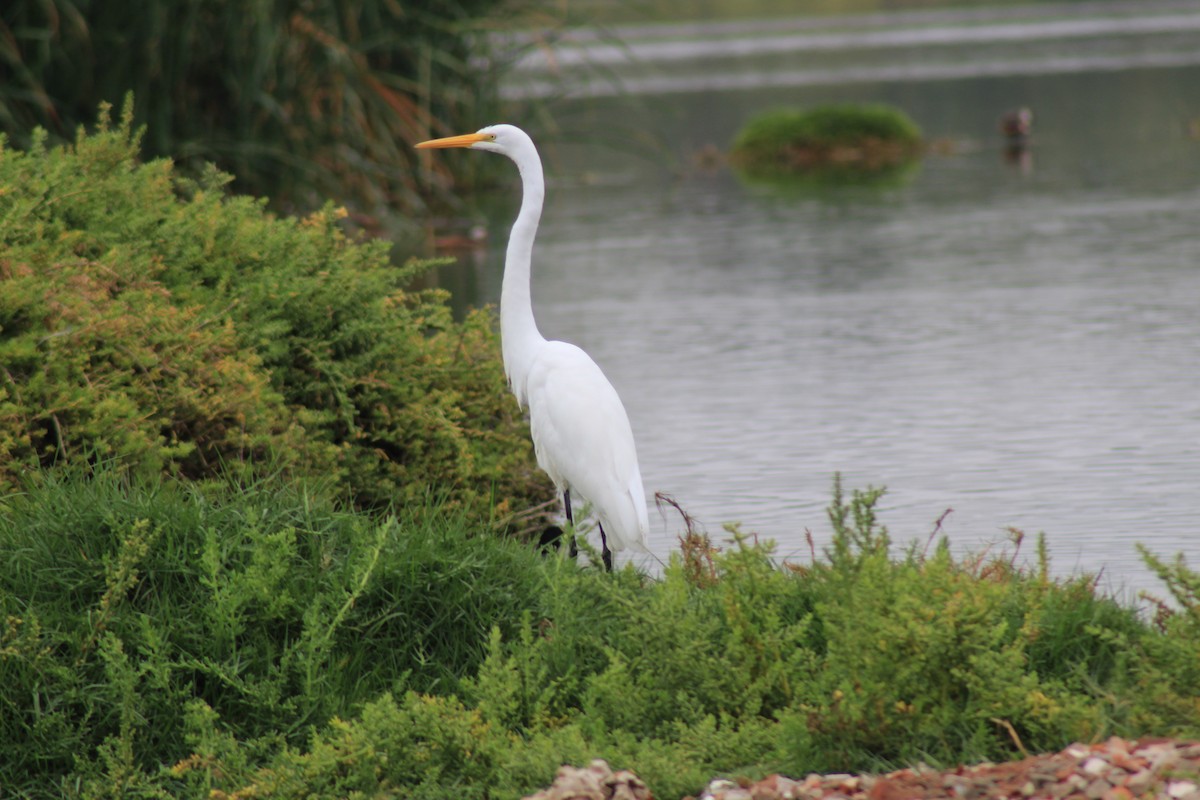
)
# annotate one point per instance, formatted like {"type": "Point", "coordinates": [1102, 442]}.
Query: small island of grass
{"type": "Point", "coordinates": [858, 138]}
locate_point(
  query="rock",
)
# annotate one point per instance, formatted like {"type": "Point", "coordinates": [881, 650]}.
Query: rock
{"type": "Point", "coordinates": [777, 787]}
{"type": "Point", "coordinates": [1140, 782]}
{"type": "Point", "coordinates": [1060, 789]}
{"type": "Point", "coordinates": [595, 782]}
{"type": "Point", "coordinates": [1182, 789]}
{"type": "Point", "coordinates": [1115, 769]}
{"type": "Point", "coordinates": [1127, 762]}
{"type": "Point", "coordinates": [718, 789]}
{"type": "Point", "coordinates": [954, 782]}
{"type": "Point", "coordinates": [1076, 782]}
{"type": "Point", "coordinates": [624, 785]}
{"type": "Point", "coordinates": [1163, 759]}
{"type": "Point", "coordinates": [885, 789]}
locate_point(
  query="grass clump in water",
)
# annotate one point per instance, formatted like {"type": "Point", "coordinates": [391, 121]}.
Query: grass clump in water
{"type": "Point", "coordinates": [847, 138]}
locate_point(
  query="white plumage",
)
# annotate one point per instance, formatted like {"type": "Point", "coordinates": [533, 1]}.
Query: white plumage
{"type": "Point", "coordinates": [580, 429]}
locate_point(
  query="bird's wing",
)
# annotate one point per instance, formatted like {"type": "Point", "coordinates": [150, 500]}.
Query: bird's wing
{"type": "Point", "coordinates": [584, 441]}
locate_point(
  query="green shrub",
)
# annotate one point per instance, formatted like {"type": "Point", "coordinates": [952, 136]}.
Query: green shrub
{"type": "Point", "coordinates": [161, 323]}
{"type": "Point", "coordinates": [250, 639]}
{"type": "Point", "coordinates": [127, 605]}
{"type": "Point", "coordinates": [921, 663]}
{"type": "Point", "coordinates": [1167, 666]}
{"type": "Point", "coordinates": [835, 137]}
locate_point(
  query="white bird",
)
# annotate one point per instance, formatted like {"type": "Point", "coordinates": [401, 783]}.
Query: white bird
{"type": "Point", "coordinates": [581, 433]}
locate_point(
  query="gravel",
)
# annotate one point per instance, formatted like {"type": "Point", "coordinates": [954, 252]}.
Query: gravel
{"type": "Point", "coordinates": [1117, 769]}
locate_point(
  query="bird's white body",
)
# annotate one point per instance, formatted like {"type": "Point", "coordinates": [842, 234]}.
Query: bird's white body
{"type": "Point", "coordinates": [584, 441]}
{"type": "Point", "coordinates": [580, 430]}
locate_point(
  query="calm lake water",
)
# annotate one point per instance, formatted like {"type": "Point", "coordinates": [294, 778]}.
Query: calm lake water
{"type": "Point", "coordinates": [1014, 339]}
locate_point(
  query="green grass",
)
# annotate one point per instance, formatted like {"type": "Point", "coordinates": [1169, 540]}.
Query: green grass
{"type": "Point", "coordinates": [174, 639]}
{"type": "Point", "coordinates": [864, 137]}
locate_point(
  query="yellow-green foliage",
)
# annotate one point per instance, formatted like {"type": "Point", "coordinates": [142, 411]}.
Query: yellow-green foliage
{"type": "Point", "coordinates": [1168, 680]}
{"type": "Point", "coordinates": [96, 357]}
{"type": "Point", "coordinates": [922, 652]}
{"type": "Point", "coordinates": [164, 324]}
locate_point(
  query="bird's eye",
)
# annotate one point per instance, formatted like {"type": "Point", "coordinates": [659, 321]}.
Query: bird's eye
{"type": "Point", "coordinates": [491, 137]}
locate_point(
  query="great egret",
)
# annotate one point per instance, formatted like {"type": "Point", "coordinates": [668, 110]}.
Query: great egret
{"type": "Point", "coordinates": [581, 433]}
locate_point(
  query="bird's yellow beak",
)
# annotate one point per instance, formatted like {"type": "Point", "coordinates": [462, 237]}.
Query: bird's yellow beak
{"type": "Point", "coordinates": [466, 140]}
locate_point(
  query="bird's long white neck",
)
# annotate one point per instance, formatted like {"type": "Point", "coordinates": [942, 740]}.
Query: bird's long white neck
{"type": "Point", "coordinates": [519, 335]}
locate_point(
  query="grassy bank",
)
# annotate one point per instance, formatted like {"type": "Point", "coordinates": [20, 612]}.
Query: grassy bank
{"type": "Point", "coordinates": [200, 640]}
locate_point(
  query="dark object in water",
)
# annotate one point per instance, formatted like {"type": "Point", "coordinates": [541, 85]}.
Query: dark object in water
{"type": "Point", "coordinates": [1016, 125]}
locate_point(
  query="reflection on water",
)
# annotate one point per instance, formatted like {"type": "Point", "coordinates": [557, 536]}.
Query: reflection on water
{"type": "Point", "coordinates": [1018, 341]}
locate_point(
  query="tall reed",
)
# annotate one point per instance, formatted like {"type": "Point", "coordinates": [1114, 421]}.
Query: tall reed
{"type": "Point", "coordinates": [302, 101]}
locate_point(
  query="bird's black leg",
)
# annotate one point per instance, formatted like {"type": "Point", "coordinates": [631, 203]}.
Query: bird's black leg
{"type": "Point", "coordinates": [604, 551]}
{"type": "Point", "coordinates": [572, 548]}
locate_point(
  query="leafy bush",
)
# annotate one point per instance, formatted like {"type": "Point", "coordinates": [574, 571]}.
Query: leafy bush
{"type": "Point", "coordinates": [158, 322]}
{"type": "Point", "coordinates": [1167, 679]}
{"type": "Point", "coordinates": [847, 137]}
{"type": "Point", "coordinates": [130, 607]}
{"type": "Point", "coordinates": [230, 640]}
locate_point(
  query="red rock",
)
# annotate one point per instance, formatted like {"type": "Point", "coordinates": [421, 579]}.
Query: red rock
{"type": "Point", "coordinates": [777, 787]}
{"type": "Point", "coordinates": [887, 789]}
{"type": "Point", "coordinates": [1059, 790]}
{"type": "Point", "coordinates": [1140, 781]}
{"type": "Point", "coordinates": [1127, 762]}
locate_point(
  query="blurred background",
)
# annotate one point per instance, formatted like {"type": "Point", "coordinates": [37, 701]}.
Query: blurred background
{"type": "Point", "coordinates": [1007, 331]}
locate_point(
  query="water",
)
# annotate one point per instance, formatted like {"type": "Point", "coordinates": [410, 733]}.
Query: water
{"type": "Point", "coordinates": [1016, 340]}
{"type": "Point", "coordinates": [949, 43]}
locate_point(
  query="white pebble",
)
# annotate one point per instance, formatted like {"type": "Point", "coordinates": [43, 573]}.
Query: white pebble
{"type": "Point", "coordinates": [1180, 788]}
